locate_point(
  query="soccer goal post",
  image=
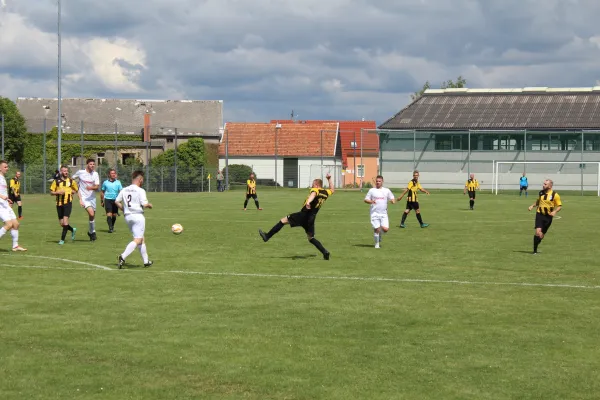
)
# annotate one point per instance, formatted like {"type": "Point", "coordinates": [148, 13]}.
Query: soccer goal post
{"type": "Point", "coordinates": [566, 175]}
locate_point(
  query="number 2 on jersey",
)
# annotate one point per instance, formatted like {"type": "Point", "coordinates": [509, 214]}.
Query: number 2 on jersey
{"type": "Point", "coordinates": [128, 201]}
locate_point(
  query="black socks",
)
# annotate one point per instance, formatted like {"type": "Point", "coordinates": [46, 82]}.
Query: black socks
{"type": "Point", "coordinates": [20, 208]}
{"type": "Point", "coordinates": [536, 242]}
{"type": "Point", "coordinates": [275, 229]}
{"type": "Point", "coordinates": [419, 218]}
{"type": "Point", "coordinates": [318, 245]}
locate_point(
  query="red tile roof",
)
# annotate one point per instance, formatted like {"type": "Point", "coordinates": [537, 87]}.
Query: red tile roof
{"type": "Point", "coordinates": [350, 132]}
{"type": "Point", "coordinates": [293, 140]}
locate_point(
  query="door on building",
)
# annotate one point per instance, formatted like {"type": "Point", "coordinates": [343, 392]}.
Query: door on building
{"type": "Point", "coordinates": [290, 172]}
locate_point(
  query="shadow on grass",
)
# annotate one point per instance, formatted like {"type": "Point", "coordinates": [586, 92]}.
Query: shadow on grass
{"type": "Point", "coordinates": [298, 257]}
{"type": "Point", "coordinates": [362, 245]}
{"type": "Point", "coordinates": [524, 251]}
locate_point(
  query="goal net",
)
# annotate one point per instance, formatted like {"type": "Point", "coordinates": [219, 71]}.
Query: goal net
{"type": "Point", "coordinates": [566, 175]}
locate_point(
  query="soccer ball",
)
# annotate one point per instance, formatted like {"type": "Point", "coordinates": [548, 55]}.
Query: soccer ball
{"type": "Point", "coordinates": [177, 229]}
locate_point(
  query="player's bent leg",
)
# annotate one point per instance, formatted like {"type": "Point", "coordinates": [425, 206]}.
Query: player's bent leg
{"type": "Point", "coordinates": [311, 238]}
{"type": "Point", "coordinates": [276, 228]}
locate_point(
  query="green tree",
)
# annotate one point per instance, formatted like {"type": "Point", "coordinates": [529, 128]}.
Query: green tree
{"type": "Point", "coordinates": [459, 83]}
{"type": "Point", "coordinates": [191, 158]}
{"type": "Point", "coordinates": [14, 130]}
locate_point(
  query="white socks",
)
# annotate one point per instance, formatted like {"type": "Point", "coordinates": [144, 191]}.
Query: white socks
{"type": "Point", "coordinates": [129, 249]}
{"type": "Point", "coordinates": [2, 232]}
{"type": "Point", "coordinates": [93, 226]}
{"type": "Point", "coordinates": [376, 237]}
{"type": "Point", "coordinates": [143, 252]}
{"type": "Point", "coordinates": [15, 235]}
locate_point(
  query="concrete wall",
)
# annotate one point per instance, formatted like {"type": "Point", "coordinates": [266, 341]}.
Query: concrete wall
{"type": "Point", "coordinates": [449, 169]}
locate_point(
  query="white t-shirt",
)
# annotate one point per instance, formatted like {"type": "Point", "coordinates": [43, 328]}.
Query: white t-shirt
{"type": "Point", "coordinates": [3, 191]}
{"type": "Point", "coordinates": [133, 199]}
{"type": "Point", "coordinates": [87, 179]}
{"type": "Point", "coordinates": [381, 197]}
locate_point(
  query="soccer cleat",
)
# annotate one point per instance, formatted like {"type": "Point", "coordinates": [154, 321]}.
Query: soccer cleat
{"type": "Point", "coordinates": [18, 248]}
{"type": "Point", "coordinates": [148, 264]}
{"type": "Point", "coordinates": [93, 236]}
{"type": "Point", "coordinates": [20, 218]}
{"type": "Point", "coordinates": [326, 256]}
{"type": "Point", "coordinates": [263, 235]}
{"type": "Point", "coordinates": [90, 236]}
{"type": "Point", "coordinates": [402, 226]}
{"type": "Point", "coordinates": [120, 261]}
{"type": "Point", "coordinates": [260, 209]}
{"type": "Point", "coordinates": [424, 225]}
{"type": "Point", "coordinates": [377, 246]}
{"type": "Point", "coordinates": [110, 231]}
{"type": "Point", "coordinates": [61, 242]}
{"type": "Point", "coordinates": [73, 234]}
{"type": "Point", "coordinates": [244, 209]}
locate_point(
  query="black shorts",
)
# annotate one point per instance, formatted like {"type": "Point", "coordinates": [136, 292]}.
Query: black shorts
{"type": "Point", "coordinates": [471, 194]}
{"type": "Point", "coordinates": [543, 222]}
{"type": "Point", "coordinates": [14, 198]}
{"type": "Point", "coordinates": [251, 195]}
{"type": "Point", "coordinates": [524, 187]}
{"type": "Point", "coordinates": [303, 219]}
{"type": "Point", "coordinates": [110, 206]}
{"type": "Point", "coordinates": [412, 205]}
{"type": "Point", "coordinates": [64, 211]}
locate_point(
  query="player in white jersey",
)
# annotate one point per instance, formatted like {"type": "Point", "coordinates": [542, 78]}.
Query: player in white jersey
{"type": "Point", "coordinates": [7, 215]}
{"type": "Point", "coordinates": [89, 182]}
{"type": "Point", "coordinates": [132, 200]}
{"type": "Point", "coordinates": [378, 198]}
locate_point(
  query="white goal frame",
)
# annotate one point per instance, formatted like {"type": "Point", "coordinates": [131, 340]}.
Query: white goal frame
{"type": "Point", "coordinates": [496, 164]}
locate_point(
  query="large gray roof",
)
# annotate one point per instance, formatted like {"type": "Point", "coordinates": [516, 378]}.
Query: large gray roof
{"type": "Point", "coordinates": [100, 115]}
{"type": "Point", "coordinates": [489, 109]}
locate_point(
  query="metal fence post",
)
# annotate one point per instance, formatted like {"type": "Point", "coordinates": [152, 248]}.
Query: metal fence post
{"type": "Point", "coordinates": [202, 176]}
{"type": "Point", "coordinates": [175, 159]}
{"type": "Point", "coordinates": [581, 167]}
{"type": "Point", "coordinates": [147, 166]}
{"type": "Point", "coordinates": [116, 145]}
{"type": "Point", "coordinates": [354, 155]}
{"type": "Point", "coordinates": [525, 151]}
{"type": "Point", "coordinates": [81, 145]}
{"type": "Point", "coordinates": [321, 177]}
{"type": "Point", "coordinates": [2, 118]}
{"type": "Point", "coordinates": [414, 149]}
{"type": "Point", "coordinates": [44, 147]}
{"type": "Point", "coordinates": [162, 180]}
{"type": "Point", "coordinates": [362, 177]}
{"type": "Point", "coordinates": [469, 155]}
{"type": "Point", "coordinates": [227, 159]}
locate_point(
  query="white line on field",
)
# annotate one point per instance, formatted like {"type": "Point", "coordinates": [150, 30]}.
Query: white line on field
{"type": "Point", "coordinates": [379, 279]}
{"type": "Point", "coordinates": [340, 278]}
{"type": "Point", "coordinates": [47, 267]}
{"type": "Point", "coordinates": [68, 261]}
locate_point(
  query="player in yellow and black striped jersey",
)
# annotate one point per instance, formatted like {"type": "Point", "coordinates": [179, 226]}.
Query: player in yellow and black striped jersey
{"type": "Point", "coordinates": [14, 192]}
{"type": "Point", "coordinates": [547, 205]}
{"type": "Point", "coordinates": [307, 215]}
{"type": "Point", "coordinates": [64, 188]}
{"type": "Point", "coordinates": [251, 192]}
{"type": "Point", "coordinates": [412, 201]}
{"type": "Point", "coordinates": [471, 186]}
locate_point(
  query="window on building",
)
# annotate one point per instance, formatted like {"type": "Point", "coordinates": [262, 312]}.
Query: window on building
{"type": "Point", "coordinates": [125, 157]}
{"type": "Point", "coordinates": [73, 161]}
{"type": "Point", "coordinates": [360, 171]}
{"type": "Point", "coordinates": [169, 140]}
{"type": "Point", "coordinates": [100, 158]}
{"type": "Point", "coordinates": [353, 145]}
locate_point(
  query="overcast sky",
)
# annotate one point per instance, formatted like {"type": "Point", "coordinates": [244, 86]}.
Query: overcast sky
{"type": "Point", "coordinates": [325, 59]}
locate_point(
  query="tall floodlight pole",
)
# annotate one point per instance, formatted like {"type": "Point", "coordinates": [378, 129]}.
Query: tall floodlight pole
{"type": "Point", "coordinates": [59, 125]}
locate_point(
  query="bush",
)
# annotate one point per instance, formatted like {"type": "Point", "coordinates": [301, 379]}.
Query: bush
{"type": "Point", "coordinates": [238, 173]}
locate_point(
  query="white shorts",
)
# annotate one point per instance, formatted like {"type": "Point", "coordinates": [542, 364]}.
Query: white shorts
{"type": "Point", "coordinates": [136, 224]}
{"type": "Point", "coordinates": [380, 220]}
{"type": "Point", "coordinates": [89, 203]}
{"type": "Point", "coordinates": [7, 214]}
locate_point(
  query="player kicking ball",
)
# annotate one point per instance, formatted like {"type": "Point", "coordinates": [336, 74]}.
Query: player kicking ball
{"type": "Point", "coordinates": [132, 200]}
{"type": "Point", "coordinates": [378, 197]}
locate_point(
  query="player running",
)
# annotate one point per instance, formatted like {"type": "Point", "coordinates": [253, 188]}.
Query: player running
{"type": "Point", "coordinates": [7, 215]}
{"type": "Point", "coordinates": [251, 192]}
{"type": "Point", "coordinates": [63, 188]}
{"type": "Point", "coordinates": [523, 185]}
{"type": "Point", "coordinates": [412, 202]}
{"type": "Point", "coordinates": [132, 200]}
{"type": "Point", "coordinates": [547, 204]}
{"type": "Point", "coordinates": [15, 192]}
{"type": "Point", "coordinates": [471, 186]}
{"type": "Point", "coordinates": [307, 215]}
{"type": "Point", "coordinates": [108, 194]}
{"type": "Point", "coordinates": [378, 198]}
{"type": "Point", "coordinates": [89, 182]}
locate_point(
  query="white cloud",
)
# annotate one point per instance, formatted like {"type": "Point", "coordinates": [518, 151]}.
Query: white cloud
{"type": "Point", "coordinates": [332, 59]}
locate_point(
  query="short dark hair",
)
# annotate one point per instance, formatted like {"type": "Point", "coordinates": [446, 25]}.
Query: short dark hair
{"type": "Point", "coordinates": [111, 170]}
{"type": "Point", "coordinates": [136, 174]}
{"type": "Point", "coordinates": [3, 162]}
{"type": "Point", "coordinates": [62, 166]}
{"type": "Point", "coordinates": [89, 160]}
{"type": "Point", "coordinates": [379, 176]}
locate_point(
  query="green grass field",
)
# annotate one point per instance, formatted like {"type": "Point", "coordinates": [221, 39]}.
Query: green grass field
{"type": "Point", "coordinates": [460, 310]}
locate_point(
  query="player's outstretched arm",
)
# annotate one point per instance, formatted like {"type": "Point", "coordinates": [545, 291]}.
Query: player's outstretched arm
{"type": "Point", "coordinates": [331, 186]}
{"type": "Point", "coordinates": [402, 195]}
